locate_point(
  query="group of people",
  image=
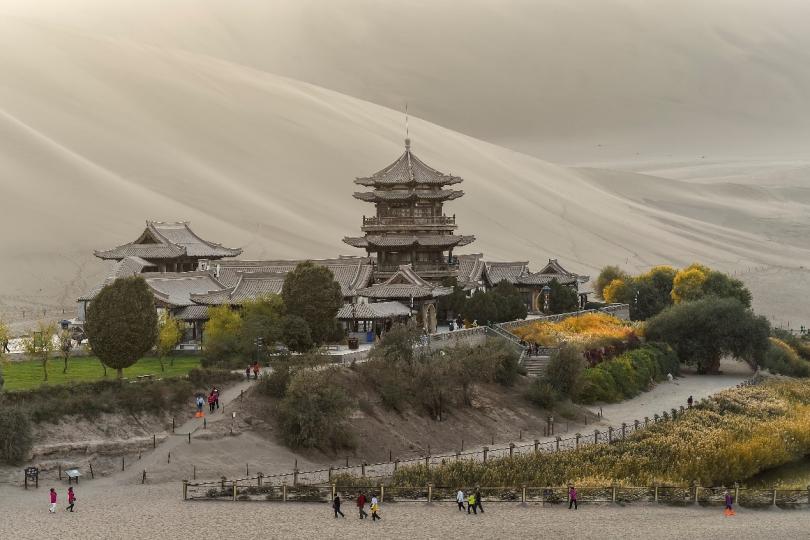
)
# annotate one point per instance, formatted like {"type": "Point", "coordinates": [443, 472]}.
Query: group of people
{"type": "Point", "coordinates": [361, 506]}
{"type": "Point", "coordinates": [473, 501]}
{"type": "Point", "coordinates": [212, 399]}
{"type": "Point", "coordinates": [458, 324]}
{"type": "Point", "coordinates": [255, 368]}
{"type": "Point", "coordinates": [71, 498]}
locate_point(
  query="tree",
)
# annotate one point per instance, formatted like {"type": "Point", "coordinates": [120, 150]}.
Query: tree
{"type": "Point", "coordinates": [618, 291]}
{"type": "Point", "coordinates": [40, 345]}
{"type": "Point", "coordinates": [261, 318]}
{"type": "Point", "coordinates": [562, 298]}
{"type": "Point", "coordinates": [222, 333]}
{"type": "Point", "coordinates": [606, 276]}
{"type": "Point", "coordinates": [122, 322]}
{"type": "Point", "coordinates": [509, 305]}
{"type": "Point", "coordinates": [720, 284]}
{"type": "Point", "coordinates": [295, 334]}
{"type": "Point", "coordinates": [397, 345]}
{"type": "Point", "coordinates": [480, 308]}
{"type": "Point", "coordinates": [564, 370]}
{"type": "Point", "coordinates": [688, 283]}
{"type": "Point", "coordinates": [312, 293]}
{"type": "Point", "coordinates": [452, 303]}
{"type": "Point", "coordinates": [65, 346]}
{"type": "Point", "coordinates": [170, 334]}
{"type": "Point", "coordinates": [701, 332]}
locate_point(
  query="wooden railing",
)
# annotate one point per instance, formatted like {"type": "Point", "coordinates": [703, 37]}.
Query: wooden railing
{"type": "Point", "coordinates": [409, 220]}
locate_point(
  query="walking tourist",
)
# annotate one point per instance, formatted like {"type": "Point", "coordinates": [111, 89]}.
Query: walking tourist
{"type": "Point", "coordinates": [460, 499]}
{"type": "Point", "coordinates": [471, 503]}
{"type": "Point", "coordinates": [216, 396]}
{"type": "Point", "coordinates": [336, 506]}
{"type": "Point", "coordinates": [478, 500]}
{"type": "Point", "coordinates": [572, 497]}
{"type": "Point", "coordinates": [361, 505]}
{"type": "Point", "coordinates": [247, 372]}
{"type": "Point", "coordinates": [256, 371]}
{"type": "Point", "coordinates": [729, 511]}
{"type": "Point", "coordinates": [375, 509]}
{"type": "Point", "coordinates": [71, 500]}
{"type": "Point", "coordinates": [200, 402]}
{"type": "Point", "coordinates": [211, 400]}
{"type": "Point", "coordinates": [5, 346]}
{"type": "Point", "coordinates": [690, 401]}
{"type": "Point", "coordinates": [451, 326]}
{"type": "Point", "coordinates": [52, 507]}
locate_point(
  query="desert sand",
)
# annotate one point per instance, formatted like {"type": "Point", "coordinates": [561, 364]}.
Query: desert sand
{"type": "Point", "coordinates": [113, 113]}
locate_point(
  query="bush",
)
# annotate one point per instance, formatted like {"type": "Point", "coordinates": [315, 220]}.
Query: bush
{"type": "Point", "coordinates": [598, 385]}
{"type": "Point", "coordinates": [542, 394]}
{"type": "Point", "coordinates": [205, 378]}
{"type": "Point", "coordinates": [314, 410]}
{"type": "Point", "coordinates": [563, 372]}
{"type": "Point", "coordinates": [783, 360]}
{"type": "Point", "coordinates": [275, 383]}
{"type": "Point", "coordinates": [15, 436]}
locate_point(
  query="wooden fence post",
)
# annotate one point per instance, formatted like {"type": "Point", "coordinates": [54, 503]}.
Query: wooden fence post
{"type": "Point", "coordinates": [697, 493]}
{"type": "Point", "coordinates": [222, 483]}
{"type": "Point", "coordinates": [774, 496]}
{"type": "Point", "coordinates": [60, 471]}
{"type": "Point", "coordinates": [189, 437]}
{"type": "Point", "coordinates": [614, 492]}
{"type": "Point", "coordinates": [610, 435]}
{"type": "Point", "coordinates": [427, 462]}
{"type": "Point", "coordinates": [624, 430]}
{"type": "Point", "coordinates": [656, 493]}
{"type": "Point", "coordinates": [260, 479]}
{"type": "Point", "coordinates": [154, 441]}
{"type": "Point", "coordinates": [92, 476]}
{"type": "Point", "coordinates": [295, 477]}
{"type": "Point", "coordinates": [284, 491]}
{"type": "Point", "coordinates": [234, 490]}
{"type": "Point", "coordinates": [334, 490]}
{"type": "Point", "coordinates": [596, 436]}
{"type": "Point", "coordinates": [646, 421]}
{"type": "Point", "coordinates": [511, 449]}
{"type": "Point", "coordinates": [143, 478]}
{"type": "Point", "coordinates": [486, 451]}
{"type": "Point", "coordinates": [185, 490]}
{"type": "Point", "coordinates": [523, 496]}
{"type": "Point", "coordinates": [123, 463]}
{"type": "Point", "coordinates": [169, 458]}
{"type": "Point", "coordinates": [363, 469]}
{"type": "Point", "coordinates": [430, 493]}
{"type": "Point", "coordinates": [536, 445]}
{"type": "Point", "coordinates": [557, 442]}
{"type": "Point", "coordinates": [576, 441]}
{"type": "Point", "coordinates": [193, 472]}
{"type": "Point", "coordinates": [635, 425]}
{"type": "Point", "coordinates": [382, 493]}
{"type": "Point", "coordinates": [396, 465]}
{"type": "Point", "coordinates": [330, 474]}
{"type": "Point", "coordinates": [458, 455]}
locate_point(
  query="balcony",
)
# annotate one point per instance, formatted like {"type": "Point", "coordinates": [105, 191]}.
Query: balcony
{"type": "Point", "coordinates": [422, 268]}
{"type": "Point", "coordinates": [374, 222]}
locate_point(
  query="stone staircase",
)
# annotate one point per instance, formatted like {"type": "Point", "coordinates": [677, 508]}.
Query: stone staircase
{"type": "Point", "coordinates": [536, 365]}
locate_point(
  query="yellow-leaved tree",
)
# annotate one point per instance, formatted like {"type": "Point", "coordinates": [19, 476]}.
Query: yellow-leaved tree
{"type": "Point", "coordinates": [688, 283]}
{"type": "Point", "coordinates": [170, 334]}
{"type": "Point", "coordinates": [40, 345]}
{"type": "Point", "coordinates": [617, 291]}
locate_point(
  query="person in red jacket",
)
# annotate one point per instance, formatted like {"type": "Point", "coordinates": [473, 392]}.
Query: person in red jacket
{"type": "Point", "coordinates": [211, 402]}
{"type": "Point", "coordinates": [256, 371]}
{"type": "Point", "coordinates": [71, 500]}
{"type": "Point", "coordinates": [361, 505]}
{"type": "Point", "coordinates": [52, 507]}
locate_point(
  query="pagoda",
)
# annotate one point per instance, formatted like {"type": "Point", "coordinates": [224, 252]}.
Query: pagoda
{"type": "Point", "coordinates": [409, 226]}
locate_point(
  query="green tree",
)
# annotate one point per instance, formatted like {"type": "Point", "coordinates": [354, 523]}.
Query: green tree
{"type": "Point", "coordinates": [452, 303]}
{"type": "Point", "coordinates": [261, 318]}
{"type": "Point", "coordinates": [724, 286]}
{"type": "Point", "coordinates": [40, 345]}
{"type": "Point", "coordinates": [562, 298]}
{"type": "Point", "coordinates": [295, 334]}
{"type": "Point", "coordinates": [564, 370]}
{"type": "Point", "coordinates": [398, 344]}
{"type": "Point", "coordinates": [122, 322]}
{"type": "Point", "coordinates": [311, 292]}
{"type": "Point", "coordinates": [480, 308]}
{"type": "Point", "coordinates": [701, 332]}
{"type": "Point", "coordinates": [170, 334]}
{"type": "Point", "coordinates": [606, 276]}
{"type": "Point", "coordinates": [222, 333]}
{"type": "Point", "coordinates": [509, 304]}
{"type": "Point", "coordinates": [16, 436]}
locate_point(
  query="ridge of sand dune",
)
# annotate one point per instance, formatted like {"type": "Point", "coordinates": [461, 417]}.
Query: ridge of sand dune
{"type": "Point", "coordinates": [115, 132]}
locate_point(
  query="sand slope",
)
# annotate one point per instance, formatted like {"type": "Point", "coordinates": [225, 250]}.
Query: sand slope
{"type": "Point", "coordinates": [115, 131]}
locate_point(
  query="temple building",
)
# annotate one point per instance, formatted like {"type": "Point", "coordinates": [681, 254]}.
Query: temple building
{"type": "Point", "coordinates": [409, 226]}
{"type": "Point", "coordinates": [168, 247]}
{"type": "Point", "coordinates": [530, 284]}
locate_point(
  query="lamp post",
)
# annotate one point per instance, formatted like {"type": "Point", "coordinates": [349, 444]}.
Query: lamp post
{"type": "Point", "coordinates": [546, 298]}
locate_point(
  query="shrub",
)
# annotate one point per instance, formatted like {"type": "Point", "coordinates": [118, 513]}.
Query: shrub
{"type": "Point", "coordinates": [598, 385]}
{"type": "Point", "coordinates": [542, 394]}
{"type": "Point", "coordinates": [314, 410]}
{"type": "Point", "coordinates": [205, 378]}
{"type": "Point", "coordinates": [275, 383]}
{"type": "Point", "coordinates": [295, 334]}
{"type": "Point", "coordinates": [15, 436]}
{"type": "Point", "coordinates": [564, 369]}
{"type": "Point", "coordinates": [783, 360]}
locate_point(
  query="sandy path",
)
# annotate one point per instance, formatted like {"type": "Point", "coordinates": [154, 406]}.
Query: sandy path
{"type": "Point", "coordinates": [148, 512]}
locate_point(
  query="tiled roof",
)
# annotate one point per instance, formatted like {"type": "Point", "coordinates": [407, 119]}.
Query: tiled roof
{"type": "Point", "coordinates": [176, 288]}
{"type": "Point", "coordinates": [373, 311]}
{"type": "Point", "coordinates": [168, 240]}
{"type": "Point", "coordinates": [406, 194]}
{"type": "Point", "coordinates": [250, 286]}
{"type": "Point", "coordinates": [496, 272]}
{"type": "Point", "coordinates": [350, 272]}
{"type": "Point", "coordinates": [128, 266]}
{"type": "Point", "coordinates": [192, 313]}
{"type": "Point", "coordinates": [404, 284]}
{"type": "Point", "coordinates": [408, 169]}
{"type": "Point", "coordinates": [470, 269]}
{"type": "Point", "coordinates": [397, 240]}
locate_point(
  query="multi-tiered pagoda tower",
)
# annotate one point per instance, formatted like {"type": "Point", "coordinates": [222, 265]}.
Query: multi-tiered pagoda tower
{"type": "Point", "coordinates": [410, 227]}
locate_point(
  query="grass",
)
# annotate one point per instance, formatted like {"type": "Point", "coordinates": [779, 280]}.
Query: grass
{"type": "Point", "coordinates": [28, 374]}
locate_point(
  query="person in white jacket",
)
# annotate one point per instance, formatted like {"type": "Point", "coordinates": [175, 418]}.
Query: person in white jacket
{"type": "Point", "coordinates": [460, 499]}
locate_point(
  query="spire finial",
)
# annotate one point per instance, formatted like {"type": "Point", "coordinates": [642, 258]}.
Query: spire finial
{"type": "Point", "coordinates": [407, 132]}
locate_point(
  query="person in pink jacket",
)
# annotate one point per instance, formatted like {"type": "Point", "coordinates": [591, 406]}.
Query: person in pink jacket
{"type": "Point", "coordinates": [52, 507]}
{"type": "Point", "coordinates": [572, 497]}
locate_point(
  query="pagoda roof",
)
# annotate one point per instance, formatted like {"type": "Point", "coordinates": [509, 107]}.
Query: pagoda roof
{"type": "Point", "coordinates": [405, 284]}
{"type": "Point", "coordinates": [403, 240]}
{"type": "Point", "coordinates": [553, 267]}
{"type": "Point", "coordinates": [373, 311]}
{"type": "Point", "coordinates": [408, 194]}
{"type": "Point", "coordinates": [408, 169]}
{"type": "Point", "coordinates": [351, 273]}
{"type": "Point", "coordinates": [470, 270]}
{"type": "Point", "coordinates": [518, 273]}
{"type": "Point", "coordinates": [249, 286]}
{"type": "Point", "coordinates": [168, 240]}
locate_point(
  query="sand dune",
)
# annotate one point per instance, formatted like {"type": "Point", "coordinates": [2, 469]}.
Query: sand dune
{"type": "Point", "coordinates": [116, 131]}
